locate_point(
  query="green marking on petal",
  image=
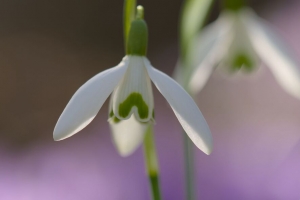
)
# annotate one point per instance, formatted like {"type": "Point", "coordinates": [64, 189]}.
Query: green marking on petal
{"type": "Point", "coordinates": [111, 114]}
{"type": "Point", "coordinates": [134, 99]}
{"type": "Point", "coordinates": [114, 118]}
{"type": "Point", "coordinates": [242, 60]}
{"type": "Point", "coordinates": [153, 114]}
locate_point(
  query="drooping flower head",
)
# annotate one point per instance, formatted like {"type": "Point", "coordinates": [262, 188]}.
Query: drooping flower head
{"type": "Point", "coordinates": [131, 107]}
{"type": "Point", "coordinates": [239, 40]}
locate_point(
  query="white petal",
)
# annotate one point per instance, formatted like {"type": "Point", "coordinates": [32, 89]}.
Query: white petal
{"type": "Point", "coordinates": [274, 53]}
{"type": "Point", "coordinates": [184, 107]}
{"type": "Point", "coordinates": [241, 46]}
{"type": "Point", "coordinates": [87, 101]}
{"type": "Point", "coordinates": [133, 95]}
{"type": "Point", "coordinates": [207, 51]}
{"type": "Point", "coordinates": [128, 134]}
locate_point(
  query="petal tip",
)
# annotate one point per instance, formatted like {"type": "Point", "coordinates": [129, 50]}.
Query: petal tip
{"type": "Point", "coordinates": [57, 136]}
{"type": "Point", "coordinates": [204, 143]}
{"type": "Point", "coordinates": [124, 148]}
{"type": "Point", "coordinates": [209, 146]}
{"type": "Point", "coordinates": [206, 147]}
{"type": "Point", "coordinates": [124, 153]}
{"type": "Point", "coordinates": [208, 151]}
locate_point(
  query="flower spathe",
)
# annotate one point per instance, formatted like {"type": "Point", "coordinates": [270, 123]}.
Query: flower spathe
{"type": "Point", "coordinates": [131, 105]}
{"type": "Point", "coordinates": [239, 40]}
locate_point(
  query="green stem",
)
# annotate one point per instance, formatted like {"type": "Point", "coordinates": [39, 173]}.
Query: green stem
{"type": "Point", "coordinates": [152, 163]}
{"type": "Point", "coordinates": [190, 182]}
{"type": "Point", "coordinates": [129, 15]}
{"type": "Point", "coordinates": [193, 17]}
{"type": "Point", "coordinates": [189, 168]}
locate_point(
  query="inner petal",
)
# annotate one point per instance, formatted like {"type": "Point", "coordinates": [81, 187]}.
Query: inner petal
{"type": "Point", "coordinates": [134, 95]}
{"type": "Point", "coordinates": [135, 99]}
{"type": "Point", "coordinates": [241, 54]}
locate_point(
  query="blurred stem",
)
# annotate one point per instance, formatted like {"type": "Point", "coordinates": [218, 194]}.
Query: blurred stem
{"type": "Point", "coordinates": [152, 163]}
{"type": "Point", "coordinates": [129, 15]}
{"type": "Point", "coordinates": [189, 168]}
{"type": "Point", "coordinates": [193, 17]}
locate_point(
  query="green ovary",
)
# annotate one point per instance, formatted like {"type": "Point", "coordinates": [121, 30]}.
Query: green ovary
{"type": "Point", "coordinates": [134, 99]}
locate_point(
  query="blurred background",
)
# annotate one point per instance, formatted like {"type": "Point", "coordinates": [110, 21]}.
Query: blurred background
{"type": "Point", "coordinates": [48, 49]}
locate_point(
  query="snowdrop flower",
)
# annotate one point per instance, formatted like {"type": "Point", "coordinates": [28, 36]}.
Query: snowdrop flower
{"type": "Point", "coordinates": [239, 40]}
{"type": "Point", "coordinates": [131, 108]}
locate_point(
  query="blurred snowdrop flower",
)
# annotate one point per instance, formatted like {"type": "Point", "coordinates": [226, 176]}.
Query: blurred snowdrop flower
{"type": "Point", "coordinates": [131, 108]}
{"type": "Point", "coordinates": [239, 40]}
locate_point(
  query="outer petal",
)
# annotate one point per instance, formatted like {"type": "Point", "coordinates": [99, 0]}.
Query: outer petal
{"type": "Point", "coordinates": [87, 101]}
{"type": "Point", "coordinates": [274, 53]}
{"type": "Point", "coordinates": [208, 49]}
{"type": "Point", "coordinates": [184, 108]}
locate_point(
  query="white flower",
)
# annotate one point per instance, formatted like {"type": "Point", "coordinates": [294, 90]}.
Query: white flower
{"type": "Point", "coordinates": [239, 39]}
{"type": "Point", "coordinates": [131, 105]}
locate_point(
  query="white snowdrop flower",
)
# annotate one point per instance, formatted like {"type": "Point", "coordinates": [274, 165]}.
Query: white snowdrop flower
{"type": "Point", "coordinates": [131, 108]}
{"type": "Point", "coordinates": [239, 40]}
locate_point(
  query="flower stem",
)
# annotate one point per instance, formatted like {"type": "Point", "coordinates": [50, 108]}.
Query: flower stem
{"type": "Point", "coordinates": [189, 168]}
{"type": "Point", "coordinates": [129, 15]}
{"type": "Point", "coordinates": [152, 164]}
{"type": "Point", "coordinates": [193, 17]}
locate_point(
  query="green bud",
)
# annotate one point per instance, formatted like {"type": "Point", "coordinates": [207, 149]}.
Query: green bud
{"type": "Point", "coordinates": [138, 35]}
{"type": "Point", "coordinates": [139, 12]}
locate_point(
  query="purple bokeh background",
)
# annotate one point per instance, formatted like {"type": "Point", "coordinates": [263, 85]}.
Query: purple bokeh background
{"type": "Point", "coordinates": [254, 122]}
